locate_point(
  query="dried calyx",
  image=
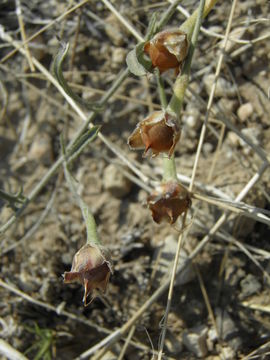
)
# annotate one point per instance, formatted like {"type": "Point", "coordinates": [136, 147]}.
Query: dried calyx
{"type": "Point", "coordinates": [168, 49]}
{"type": "Point", "coordinates": [91, 267]}
{"type": "Point", "coordinates": [158, 133]}
{"type": "Point", "coordinates": [168, 202]}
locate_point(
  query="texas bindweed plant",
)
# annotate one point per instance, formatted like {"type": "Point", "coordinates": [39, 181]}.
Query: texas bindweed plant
{"type": "Point", "coordinates": [157, 134]}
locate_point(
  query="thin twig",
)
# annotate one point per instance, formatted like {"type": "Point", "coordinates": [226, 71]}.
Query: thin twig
{"type": "Point", "coordinates": [124, 349]}
{"type": "Point", "coordinates": [9, 352]}
{"type": "Point", "coordinates": [124, 21]}
{"type": "Point", "coordinates": [170, 293]}
{"type": "Point", "coordinates": [23, 35]}
{"type": "Point", "coordinates": [211, 97]}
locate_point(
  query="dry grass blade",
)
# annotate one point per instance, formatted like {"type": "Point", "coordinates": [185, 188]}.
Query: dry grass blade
{"type": "Point", "coordinates": [9, 352]}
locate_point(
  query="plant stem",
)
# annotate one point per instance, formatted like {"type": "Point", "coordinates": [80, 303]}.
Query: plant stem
{"type": "Point", "coordinates": [161, 90]}
{"type": "Point", "coordinates": [181, 83]}
{"type": "Point", "coordinates": [169, 169]}
{"type": "Point", "coordinates": [90, 223]}
{"type": "Point", "coordinates": [189, 24]}
{"type": "Point", "coordinates": [91, 228]}
{"type": "Point", "coordinates": [175, 105]}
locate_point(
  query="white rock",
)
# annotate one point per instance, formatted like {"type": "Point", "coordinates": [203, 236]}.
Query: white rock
{"type": "Point", "coordinates": [245, 111]}
{"type": "Point", "coordinates": [207, 148]}
{"type": "Point", "coordinates": [192, 119]}
{"type": "Point", "coordinates": [118, 56]}
{"type": "Point", "coordinates": [195, 340]}
{"type": "Point", "coordinates": [227, 353]}
{"type": "Point", "coordinates": [233, 138]}
{"type": "Point", "coordinates": [253, 133]}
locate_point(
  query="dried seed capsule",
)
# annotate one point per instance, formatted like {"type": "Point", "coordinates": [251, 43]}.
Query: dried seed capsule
{"type": "Point", "coordinates": [91, 267]}
{"type": "Point", "coordinates": [159, 132]}
{"type": "Point", "coordinates": [168, 49]}
{"type": "Point", "coordinates": [169, 202]}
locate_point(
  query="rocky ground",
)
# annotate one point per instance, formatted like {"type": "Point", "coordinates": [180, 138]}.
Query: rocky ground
{"type": "Point", "coordinates": [37, 311]}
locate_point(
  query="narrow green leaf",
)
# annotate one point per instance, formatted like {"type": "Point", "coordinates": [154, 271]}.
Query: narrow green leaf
{"type": "Point", "coordinates": [57, 68]}
{"type": "Point", "coordinates": [151, 30]}
{"type": "Point", "coordinates": [137, 62]}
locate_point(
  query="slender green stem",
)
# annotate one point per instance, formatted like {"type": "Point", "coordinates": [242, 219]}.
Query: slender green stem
{"type": "Point", "coordinates": [91, 228]}
{"type": "Point", "coordinates": [189, 24]}
{"type": "Point", "coordinates": [192, 31]}
{"type": "Point", "coordinates": [169, 169]}
{"type": "Point", "coordinates": [90, 223]}
{"type": "Point", "coordinates": [167, 15]}
{"type": "Point", "coordinates": [161, 90]}
{"type": "Point", "coordinates": [181, 83]}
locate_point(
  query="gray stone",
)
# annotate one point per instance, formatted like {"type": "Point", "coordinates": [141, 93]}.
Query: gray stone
{"type": "Point", "coordinates": [166, 260]}
{"type": "Point", "coordinates": [253, 133]}
{"type": "Point", "coordinates": [195, 340]}
{"type": "Point", "coordinates": [115, 182]}
{"type": "Point", "coordinates": [227, 329]}
{"type": "Point", "coordinates": [250, 286]}
{"type": "Point", "coordinates": [228, 106]}
{"type": "Point", "coordinates": [173, 345]}
{"type": "Point", "coordinates": [223, 88]}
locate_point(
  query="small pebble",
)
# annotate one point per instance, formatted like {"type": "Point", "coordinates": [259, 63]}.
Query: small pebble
{"type": "Point", "coordinates": [173, 345]}
{"type": "Point", "coordinates": [195, 340]}
{"type": "Point", "coordinates": [250, 286]}
{"type": "Point", "coordinates": [245, 111]}
{"type": "Point", "coordinates": [115, 182]}
{"type": "Point", "coordinates": [207, 148]}
{"type": "Point", "coordinates": [223, 88]}
{"type": "Point", "coordinates": [118, 56]}
{"type": "Point", "coordinates": [166, 259]}
{"type": "Point", "coordinates": [41, 150]}
{"type": "Point", "coordinates": [228, 329]}
{"type": "Point", "coordinates": [113, 30]}
{"type": "Point", "coordinates": [254, 133]}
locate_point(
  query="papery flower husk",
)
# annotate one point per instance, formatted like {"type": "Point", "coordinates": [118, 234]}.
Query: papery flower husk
{"type": "Point", "coordinates": [159, 132]}
{"type": "Point", "coordinates": [169, 202]}
{"type": "Point", "coordinates": [91, 267]}
{"type": "Point", "coordinates": [168, 49]}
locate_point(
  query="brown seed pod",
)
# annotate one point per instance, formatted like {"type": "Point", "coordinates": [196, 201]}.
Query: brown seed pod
{"type": "Point", "coordinates": [159, 132]}
{"type": "Point", "coordinates": [169, 202]}
{"type": "Point", "coordinates": [168, 49]}
{"type": "Point", "coordinates": [91, 267]}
